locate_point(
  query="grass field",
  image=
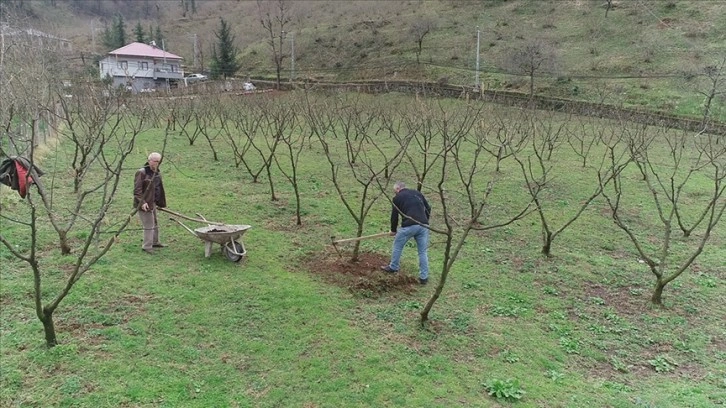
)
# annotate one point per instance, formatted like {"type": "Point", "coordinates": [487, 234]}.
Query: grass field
{"type": "Point", "coordinates": [285, 328]}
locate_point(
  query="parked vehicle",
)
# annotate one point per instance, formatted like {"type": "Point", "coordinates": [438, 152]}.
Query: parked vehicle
{"type": "Point", "coordinates": [195, 77]}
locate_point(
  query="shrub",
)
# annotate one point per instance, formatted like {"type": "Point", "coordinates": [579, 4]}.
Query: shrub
{"type": "Point", "coordinates": [508, 390]}
{"type": "Point", "coordinates": [663, 364]}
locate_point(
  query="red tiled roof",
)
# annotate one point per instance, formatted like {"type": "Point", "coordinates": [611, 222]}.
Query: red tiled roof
{"type": "Point", "coordinates": [138, 49]}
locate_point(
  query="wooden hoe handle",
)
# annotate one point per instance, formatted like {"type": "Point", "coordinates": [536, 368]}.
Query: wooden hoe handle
{"type": "Point", "coordinates": [380, 234]}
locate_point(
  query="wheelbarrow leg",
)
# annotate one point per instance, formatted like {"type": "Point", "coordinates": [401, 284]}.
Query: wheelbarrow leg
{"type": "Point", "coordinates": [207, 248]}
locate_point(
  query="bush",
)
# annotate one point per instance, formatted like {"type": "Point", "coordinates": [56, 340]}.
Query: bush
{"type": "Point", "coordinates": [508, 390]}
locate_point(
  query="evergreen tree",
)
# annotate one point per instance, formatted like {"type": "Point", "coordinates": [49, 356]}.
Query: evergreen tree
{"type": "Point", "coordinates": [159, 37]}
{"type": "Point", "coordinates": [114, 36]}
{"type": "Point", "coordinates": [139, 33]}
{"type": "Point", "coordinates": [224, 54]}
{"type": "Point", "coordinates": [119, 31]}
{"type": "Point", "coordinates": [107, 38]}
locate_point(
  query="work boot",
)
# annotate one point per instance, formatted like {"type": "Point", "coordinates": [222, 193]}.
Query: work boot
{"type": "Point", "coordinates": [423, 281]}
{"type": "Point", "coordinates": [386, 268]}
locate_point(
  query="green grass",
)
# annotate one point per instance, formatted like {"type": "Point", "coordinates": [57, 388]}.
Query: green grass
{"type": "Point", "coordinates": [179, 329]}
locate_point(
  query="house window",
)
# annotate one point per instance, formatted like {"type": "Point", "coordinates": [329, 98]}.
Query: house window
{"type": "Point", "coordinates": [123, 64]}
{"type": "Point", "coordinates": [144, 65]}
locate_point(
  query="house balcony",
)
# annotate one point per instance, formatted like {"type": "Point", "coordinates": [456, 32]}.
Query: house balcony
{"type": "Point", "coordinates": [161, 73]}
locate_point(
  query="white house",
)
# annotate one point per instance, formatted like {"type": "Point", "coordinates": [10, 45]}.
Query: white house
{"type": "Point", "coordinates": [142, 67]}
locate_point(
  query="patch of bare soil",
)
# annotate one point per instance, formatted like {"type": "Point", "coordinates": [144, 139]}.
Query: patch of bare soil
{"type": "Point", "coordinates": [119, 312]}
{"type": "Point", "coordinates": [633, 308]}
{"type": "Point", "coordinates": [619, 298]}
{"type": "Point", "coordinates": [362, 277]}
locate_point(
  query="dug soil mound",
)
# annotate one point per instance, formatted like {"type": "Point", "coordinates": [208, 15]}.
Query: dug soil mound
{"type": "Point", "coordinates": [362, 277]}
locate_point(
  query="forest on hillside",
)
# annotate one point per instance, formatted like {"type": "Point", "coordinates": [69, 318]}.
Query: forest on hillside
{"type": "Point", "coordinates": [658, 55]}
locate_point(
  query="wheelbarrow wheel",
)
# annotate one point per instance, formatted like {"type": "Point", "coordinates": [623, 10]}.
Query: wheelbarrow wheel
{"type": "Point", "coordinates": [229, 251]}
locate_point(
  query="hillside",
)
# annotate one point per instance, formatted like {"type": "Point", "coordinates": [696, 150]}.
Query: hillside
{"type": "Point", "coordinates": [643, 53]}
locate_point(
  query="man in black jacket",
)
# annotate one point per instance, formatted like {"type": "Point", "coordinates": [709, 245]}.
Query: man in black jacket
{"type": "Point", "coordinates": [415, 212]}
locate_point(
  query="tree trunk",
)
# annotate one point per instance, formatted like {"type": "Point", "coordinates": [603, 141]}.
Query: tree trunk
{"type": "Point", "coordinates": [64, 246]}
{"type": "Point", "coordinates": [356, 247]}
{"type": "Point", "coordinates": [272, 184]}
{"type": "Point", "coordinates": [214, 151]}
{"type": "Point", "coordinates": [656, 299]}
{"type": "Point", "coordinates": [444, 274]}
{"type": "Point", "coordinates": [547, 247]}
{"type": "Point", "coordinates": [297, 204]}
{"type": "Point", "coordinates": [49, 328]}
{"type": "Point", "coordinates": [77, 181]}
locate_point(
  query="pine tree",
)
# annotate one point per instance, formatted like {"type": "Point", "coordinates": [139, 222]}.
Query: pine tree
{"type": "Point", "coordinates": [119, 31]}
{"type": "Point", "coordinates": [224, 54]}
{"type": "Point", "coordinates": [139, 33]}
{"type": "Point", "coordinates": [114, 36]}
{"type": "Point", "coordinates": [159, 37]}
{"type": "Point", "coordinates": [107, 38]}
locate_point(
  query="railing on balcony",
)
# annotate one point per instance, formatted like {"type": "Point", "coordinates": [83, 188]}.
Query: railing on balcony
{"type": "Point", "coordinates": [167, 73]}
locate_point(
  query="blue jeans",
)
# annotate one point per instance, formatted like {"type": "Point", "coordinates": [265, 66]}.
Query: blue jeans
{"type": "Point", "coordinates": [421, 235]}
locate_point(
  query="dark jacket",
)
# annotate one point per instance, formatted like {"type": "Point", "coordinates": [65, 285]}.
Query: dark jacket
{"type": "Point", "coordinates": [413, 207]}
{"type": "Point", "coordinates": [148, 188]}
{"type": "Point", "coordinates": [14, 173]}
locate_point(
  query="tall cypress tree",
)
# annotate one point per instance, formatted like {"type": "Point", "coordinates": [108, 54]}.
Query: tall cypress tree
{"type": "Point", "coordinates": [114, 36]}
{"type": "Point", "coordinates": [119, 31]}
{"type": "Point", "coordinates": [139, 33]}
{"type": "Point", "coordinates": [224, 54]}
{"type": "Point", "coordinates": [158, 37]}
{"type": "Point", "coordinates": [107, 38]}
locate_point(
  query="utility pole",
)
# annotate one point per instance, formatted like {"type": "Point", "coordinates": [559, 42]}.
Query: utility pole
{"type": "Point", "coordinates": [196, 51]}
{"type": "Point", "coordinates": [292, 57]}
{"type": "Point", "coordinates": [476, 81]}
{"type": "Point", "coordinates": [2, 47]}
{"type": "Point", "coordinates": [93, 35]}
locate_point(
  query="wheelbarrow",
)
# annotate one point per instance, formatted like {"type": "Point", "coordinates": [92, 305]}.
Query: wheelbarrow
{"type": "Point", "coordinates": [228, 236]}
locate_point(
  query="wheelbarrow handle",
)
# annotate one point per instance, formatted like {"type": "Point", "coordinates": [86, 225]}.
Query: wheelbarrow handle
{"type": "Point", "coordinates": [185, 227]}
{"type": "Point", "coordinates": [166, 210]}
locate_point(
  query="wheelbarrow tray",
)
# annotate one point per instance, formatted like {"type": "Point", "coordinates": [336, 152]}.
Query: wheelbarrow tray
{"type": "Point", "coordinates": [228, 236]}
{"type": "Point", "coordinates": [221, 234]}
